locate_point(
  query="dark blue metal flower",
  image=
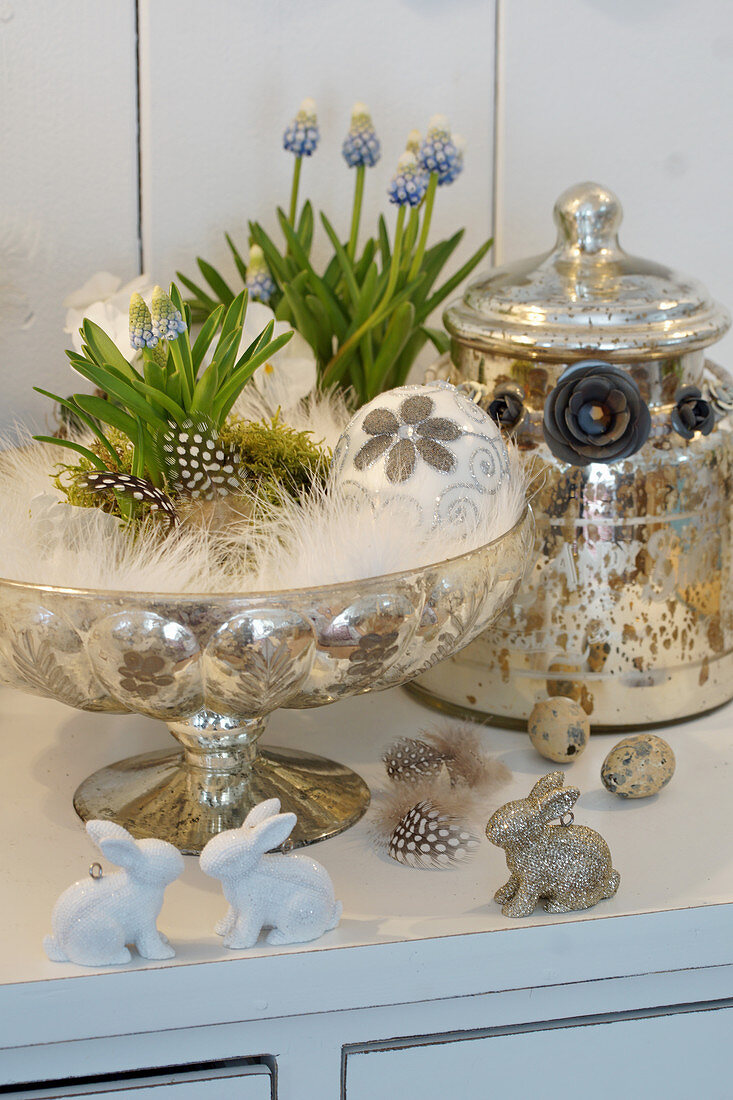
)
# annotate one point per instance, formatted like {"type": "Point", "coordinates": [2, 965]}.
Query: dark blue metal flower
{"type": "Point", "coordinates": [692, 413]}
{"type": "Point", "coordinates": [595, 414]}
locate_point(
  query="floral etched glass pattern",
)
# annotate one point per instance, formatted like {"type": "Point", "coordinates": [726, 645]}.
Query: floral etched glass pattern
{"type": "Point", "coordinates": [214, 666]}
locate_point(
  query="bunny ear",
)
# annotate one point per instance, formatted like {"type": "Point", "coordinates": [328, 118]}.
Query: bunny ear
{"type": "Point", "coordinates": [261, 812]}
{"type": "Point", "coordinates": [558, 802]}
{"type": "Point", "coordinates": [100, 830]}
{"type": "Point", "coordinates": [547, 783]}
{"type": "Point", "coordinates": [274, 831]}
{"type": "Point", "coordinates": [114, 842]}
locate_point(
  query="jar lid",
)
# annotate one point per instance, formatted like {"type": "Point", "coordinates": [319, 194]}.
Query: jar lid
{"type": "Point", "coordinates": [587, 296]}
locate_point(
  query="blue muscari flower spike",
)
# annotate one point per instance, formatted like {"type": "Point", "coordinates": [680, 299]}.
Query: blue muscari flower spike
{"type": "Point", "coordinates": [409, 183]}
{"type": "Point", "coordinates": [302, 135]}
{"type": "Point", "coordinates": [457, 168]}
{"type": "Point", "coordinates": [438, 152]}
{"type": "Point", "coordinates": [361, 148]}
{"type": "Point", "coordinates": [259, 283]}
{"type": "Point", "coordinates": [167, 322]}
{"type": "Point", "coordinates": [141, 324]}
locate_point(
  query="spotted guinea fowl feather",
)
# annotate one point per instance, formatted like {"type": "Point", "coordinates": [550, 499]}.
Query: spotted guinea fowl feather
{"type": "Point", "coordinates": [196, 462]}
{"type": "Point", "coordinates": [453, 746]}
{"type": "Point", "coordinates": [425, 836]}
{"type": "Point", "coordinates": [410, 760]}
{"type": "Point", "coordinates": [136, 488]}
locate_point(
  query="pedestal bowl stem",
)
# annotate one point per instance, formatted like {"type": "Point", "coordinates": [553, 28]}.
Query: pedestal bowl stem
{"type": "Point", "coordinates": [186, 796]}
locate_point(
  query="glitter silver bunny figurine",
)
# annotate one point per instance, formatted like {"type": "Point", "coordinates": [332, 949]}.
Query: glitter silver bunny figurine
{"type": "Point", "coordinates": [567, 865]}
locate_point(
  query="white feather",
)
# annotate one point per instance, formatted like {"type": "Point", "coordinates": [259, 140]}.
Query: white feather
{"type": "Point", "coordinates": [321, 539]}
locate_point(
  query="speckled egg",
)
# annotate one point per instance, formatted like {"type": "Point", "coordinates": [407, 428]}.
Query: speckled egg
{"type": "Point", "coordinates": [638, 766]}
{"type": "Point", "coordinates": [558, 728]}
{"type": "Point", "coordinates": [428, 448]}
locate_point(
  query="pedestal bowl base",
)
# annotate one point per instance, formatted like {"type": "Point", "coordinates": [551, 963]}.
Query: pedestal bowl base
{"type": "Point", "coordinates": [159, 794]}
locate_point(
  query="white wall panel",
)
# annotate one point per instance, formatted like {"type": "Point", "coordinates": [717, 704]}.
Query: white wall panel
{"type": "Point", "coordinates": [68, 178]}
{"type": "Point", "coordinates": [635, 94]}
{"type": "Point", "coordinates": [221, 79]}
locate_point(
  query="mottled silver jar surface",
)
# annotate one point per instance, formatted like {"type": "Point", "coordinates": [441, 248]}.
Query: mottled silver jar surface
{"type": "Point", "coordinates": [629, 609]}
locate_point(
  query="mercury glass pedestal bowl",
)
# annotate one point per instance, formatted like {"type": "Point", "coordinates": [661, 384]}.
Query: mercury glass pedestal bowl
{"type": "Point", "coordinates": [213, 667]}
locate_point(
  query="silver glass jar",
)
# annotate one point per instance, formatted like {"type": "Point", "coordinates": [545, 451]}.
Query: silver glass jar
{"type": "Point", "coordinates": [594, 360]}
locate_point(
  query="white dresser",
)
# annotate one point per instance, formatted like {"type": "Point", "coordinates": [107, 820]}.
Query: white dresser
{"type": "Point", "coordinates": [424, 990]}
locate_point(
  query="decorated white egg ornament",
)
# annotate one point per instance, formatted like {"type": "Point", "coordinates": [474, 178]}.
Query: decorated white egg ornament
{"type": "Point", "coordinates": [427, 448]}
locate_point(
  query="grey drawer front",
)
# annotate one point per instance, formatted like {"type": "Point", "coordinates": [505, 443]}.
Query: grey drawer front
{"type": "Point", "coordinates": [676, 1053]}
{"type": "Point", "coordinates": [251, 1082]}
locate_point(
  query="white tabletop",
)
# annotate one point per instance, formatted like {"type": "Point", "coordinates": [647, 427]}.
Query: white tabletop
{"type": "Point", "coordinates": [673, 909]}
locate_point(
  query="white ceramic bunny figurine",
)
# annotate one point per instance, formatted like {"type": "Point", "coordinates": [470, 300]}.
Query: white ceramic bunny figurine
{"type": "Point", "coordinates": [567, 865]}
{"type": "Point", "coordinates": [96, 917]}
{"type": "Point", "coordinates": [290, 894]}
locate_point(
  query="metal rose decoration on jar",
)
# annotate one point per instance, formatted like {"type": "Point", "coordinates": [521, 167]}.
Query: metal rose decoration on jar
{"type": "Point", "coordinates": [595, 414]}
{"type": "Point", "coordinates": [692, 413]}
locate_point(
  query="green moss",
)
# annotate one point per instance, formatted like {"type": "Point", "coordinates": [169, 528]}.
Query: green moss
{"type": "Point", "coordinates": [277, 456]}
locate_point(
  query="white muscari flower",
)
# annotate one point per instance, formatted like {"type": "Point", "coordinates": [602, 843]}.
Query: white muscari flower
{"type": "Point", "coordinates": [438, 152]}
{"type": "Point", "coordinates": [409, 183]}
{"type": "Point", "coordinates": [167, 322]}
{"type": "Point", "coordinates": [259, 282]}
{"type": "Point", "coordinates": [141, 324]}
{"type": "Point", "coordinates": [361, 148]}
{"type": "Point", "coordinates": [105, 301]}
{"type": "Point", "coordinates": [412, 145]}
{"type": "Point", "coordinates": [302, 135]}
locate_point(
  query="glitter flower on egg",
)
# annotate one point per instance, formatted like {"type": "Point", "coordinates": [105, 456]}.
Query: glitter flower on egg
{"type": "Point", "coordinates": [438, 152]}
{"type": "Point", "coordinates": [167, 322]}
{"type": "Point", "coordinates": [409, 183]}
{"type": "Point", "coordinates": [260, 283]}
{"type": "Point", "coordinates": [141, 324]}
{"type": "Point", "coordinates": [302, 135]}
{"type": "Point", "coordinates": [361, 148]}
{"type": "Point", "coordinates": [403, 436]}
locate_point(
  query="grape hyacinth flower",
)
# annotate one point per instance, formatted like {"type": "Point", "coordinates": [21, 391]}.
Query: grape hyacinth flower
{"type": "Point", "coordinates": [302, 135]}
{"type": "Point", "coordinates": [141, 324]}
{"type": "Point", "coordinates": [441, 162]}
{"type": "Point", "coordinates": [361, 147]}
{"type": "Point", "coordinates": [167, 323]}
{"type": "Point", "coordinates": [457, 166]}
{"type": "Point", "coordinates": [259, 283]}
{"type": "Point", "coordinates": [413, 143]}
{"type": "Point", "coordinates": [438, 152]}
{"type": "Point", "coordinates": [409, 183]}
{"type": "Point", "coordinates": [361, 150]}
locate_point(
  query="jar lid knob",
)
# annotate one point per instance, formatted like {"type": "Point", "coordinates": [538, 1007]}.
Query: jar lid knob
{"type": "Point", "coordinates": [588, 217]}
